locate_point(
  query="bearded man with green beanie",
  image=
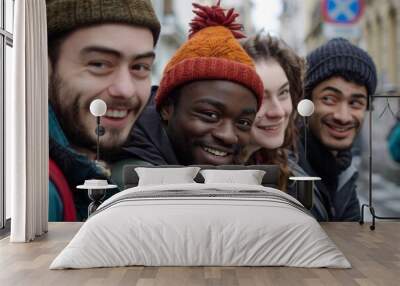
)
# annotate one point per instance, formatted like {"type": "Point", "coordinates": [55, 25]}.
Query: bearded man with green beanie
{"type": "Point", "coordinates": [97, 49]}
{"type": "Point", "coordinates": [340, 77]}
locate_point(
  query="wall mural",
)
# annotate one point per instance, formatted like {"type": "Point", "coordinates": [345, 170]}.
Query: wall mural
{"type": "Point", "coordinates": [220, 101]}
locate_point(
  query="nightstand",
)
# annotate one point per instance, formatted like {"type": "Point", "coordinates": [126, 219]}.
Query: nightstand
{"type": "Point", "coordinates": [96, 191]}
{"type": "Point", "coordinates": [304, 190]}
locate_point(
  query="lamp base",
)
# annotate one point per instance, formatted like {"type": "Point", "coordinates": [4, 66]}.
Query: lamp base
{"type": "Point", "coordinates": [96, 196]}
{"type": "Point", "coordinates": [304, 192]}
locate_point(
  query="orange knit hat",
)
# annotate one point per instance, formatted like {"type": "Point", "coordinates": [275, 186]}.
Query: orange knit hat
{"type": "Point", "coordinates": [212, 52]}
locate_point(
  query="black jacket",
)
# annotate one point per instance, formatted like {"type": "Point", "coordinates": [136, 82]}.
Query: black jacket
{"type": "Point", "coordinates": [335, 196]}
{"type": "Point", "coordinates": [148, 140]}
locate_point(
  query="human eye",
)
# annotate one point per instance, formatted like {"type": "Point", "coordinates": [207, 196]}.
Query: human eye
{"type": "Point", "coordinates": [357, 103]}
{"type": "Point", "coordinates": [209, 116]}
{"type": "Point", "coordinates": [328, 99]}
{"type": "Point", "coordinates": [245, 124]}
{"type": "Point", "coordinates": [141, 70]}
{"type": "Point", "coordinates": [99, 67]}
{"type": "Point", "coordinates": [283, 94]}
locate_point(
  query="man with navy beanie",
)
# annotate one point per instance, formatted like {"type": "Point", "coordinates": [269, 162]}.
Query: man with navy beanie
{"type": "Point", "coordinates": [340, 77]}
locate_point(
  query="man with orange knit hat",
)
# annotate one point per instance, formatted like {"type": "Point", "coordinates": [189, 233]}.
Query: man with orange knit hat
{"type": "Point", "coordinates": [205, 105]}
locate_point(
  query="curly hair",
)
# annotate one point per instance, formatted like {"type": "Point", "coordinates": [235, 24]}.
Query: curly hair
{"type": "Point", "coordinates": [263, 47]}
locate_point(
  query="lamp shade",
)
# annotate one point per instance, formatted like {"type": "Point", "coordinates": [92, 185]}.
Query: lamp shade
{"type": "Point", "coordinates": [305, 107]}
{"type": "Point", "coordinates": [98, 107]}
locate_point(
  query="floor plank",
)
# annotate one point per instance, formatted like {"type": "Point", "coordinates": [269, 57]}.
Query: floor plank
{"type": "Point", "coordinates": [374, 255]}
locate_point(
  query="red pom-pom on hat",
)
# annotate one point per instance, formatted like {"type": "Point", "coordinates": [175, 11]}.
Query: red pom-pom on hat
{"type": "Point", "coordinates": [215, 16]}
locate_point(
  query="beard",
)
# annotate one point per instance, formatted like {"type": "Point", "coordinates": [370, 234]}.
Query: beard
{"type": "Point", "coordinates": [69, 117]}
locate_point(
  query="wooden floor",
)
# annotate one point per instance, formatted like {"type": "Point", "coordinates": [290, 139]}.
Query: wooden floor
{"type": "Point", "coordinates": [374, 255]}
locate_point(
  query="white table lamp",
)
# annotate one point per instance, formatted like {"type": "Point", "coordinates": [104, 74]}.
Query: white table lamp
{"type": "Point", "coordinates": [98, 108]}
{"type": "Point", "coordinates": [305, 108]}
{"type": "Point", "coordinates": [97, 188]}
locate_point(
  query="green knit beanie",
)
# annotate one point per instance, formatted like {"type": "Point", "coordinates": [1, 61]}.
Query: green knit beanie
{"type": "Point", "coordinates": [67, 15]}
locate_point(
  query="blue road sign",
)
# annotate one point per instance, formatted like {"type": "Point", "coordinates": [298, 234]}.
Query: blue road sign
{"type": "Point", "coordinates": [342, 11]}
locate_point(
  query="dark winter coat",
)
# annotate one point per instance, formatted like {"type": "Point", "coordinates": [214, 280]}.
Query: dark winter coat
{"type": "Point", "coordinates": [335, 196]}
{"type": "Point", "coordinates": [149, 142]}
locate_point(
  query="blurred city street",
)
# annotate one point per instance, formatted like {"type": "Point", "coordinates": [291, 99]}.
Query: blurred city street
{"type": "Point", "coordinates": [386, 172]}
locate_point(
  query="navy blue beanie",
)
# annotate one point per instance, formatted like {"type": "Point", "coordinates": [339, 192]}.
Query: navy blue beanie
{"type": "Point", "coordinates": [338, 57]}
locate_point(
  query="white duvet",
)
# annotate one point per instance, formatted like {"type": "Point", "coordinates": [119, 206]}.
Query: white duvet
{"type": "Point", "coordinates": [220, 225]}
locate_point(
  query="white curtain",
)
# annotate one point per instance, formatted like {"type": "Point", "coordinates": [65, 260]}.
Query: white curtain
{"type": "Point", "coordinates": [26, 124]}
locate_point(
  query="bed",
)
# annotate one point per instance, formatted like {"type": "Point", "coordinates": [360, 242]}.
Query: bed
{"type": "Point", "coordinates": [201, 221]}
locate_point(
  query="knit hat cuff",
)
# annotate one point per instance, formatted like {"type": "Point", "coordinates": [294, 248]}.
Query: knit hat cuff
{"type": "Point", "coordinates": [341, 57]}
{"type": "Point", "coordinates": [202, 68]}
{"type": "Point", "coordinates": [153, 27]}
{"type": "Point", "coordinates": [337, 64]}
{"type": "Point", "coordinates": [67, 15]}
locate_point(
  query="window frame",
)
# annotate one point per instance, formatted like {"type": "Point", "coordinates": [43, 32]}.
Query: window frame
{"type": "Point", "coordinates": [6, 39]}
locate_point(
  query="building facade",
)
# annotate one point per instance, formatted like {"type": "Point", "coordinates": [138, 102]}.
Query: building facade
{"type": "Point", "coordinates": [380, 36]}
{"type": "Point", "coordinates": [175, 16]}
{"type": "Point", "coordinates": [381, 25]}
{"type": "Point", "coordinates": [295, 21]}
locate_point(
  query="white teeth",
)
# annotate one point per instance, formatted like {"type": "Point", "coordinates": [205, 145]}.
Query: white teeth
{"type": "Point", "coordinates": [215, 152]}
{"type": "Point", "coordinates": [340, 129]}
{"type": "Point", "coordinates": [116, 113]}
{"type": "Point", "coordinates": [270, 128]}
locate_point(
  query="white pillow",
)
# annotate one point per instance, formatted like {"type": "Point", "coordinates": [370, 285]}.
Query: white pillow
{"type": "Point", "coordinates": [248, 177]}
{"type": "Point", "coordinates": [165, 176]}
